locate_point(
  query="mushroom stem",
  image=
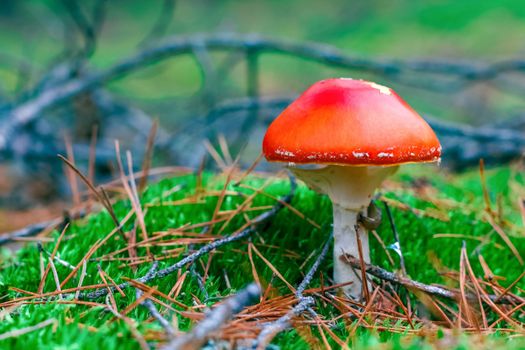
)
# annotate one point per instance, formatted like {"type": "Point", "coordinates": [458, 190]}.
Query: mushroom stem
{"type": "Point", "coordinates": [345, 242]}
{"type": "Point", "coordinates": [350, 188]}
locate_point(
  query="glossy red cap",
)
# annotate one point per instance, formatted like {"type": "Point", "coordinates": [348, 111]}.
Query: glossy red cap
{"type": "Point", "coordinates": [353, 122]}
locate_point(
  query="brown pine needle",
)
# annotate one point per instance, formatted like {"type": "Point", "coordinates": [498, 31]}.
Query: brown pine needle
{"type": "Point", "coordinates": [477, 287]}
{"type": "Point", "coordinates": [254, 269]}
{"type": "Point", "coordinates": [92, 154]}
{"type": "Point", "coordinates": [223, 144]}
{"type": "Point", "coordinates": [250, 169]}
{"type": "Point", "coordinates": [96, 246]}
{"type": "Point", "coordinates": [148, 155]}
{"type": "Point", "coordinates": [103, 200]}
{"type": "Point", "coordinates": [505, 238]}
{"type": "Point", "coordinates": [506, 290]}
{"type": "Point", "coordinates": [484, 188]}
{"type": "Point", "coordinates": [215, 155]}
{"type": "Point", "coordinates": [73, 184]}
{"type": "Point", "coordinates": [275, 271]}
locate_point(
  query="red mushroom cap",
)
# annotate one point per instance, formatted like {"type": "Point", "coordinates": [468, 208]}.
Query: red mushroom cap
{"type": "Point", "coordinates": [350, 122]}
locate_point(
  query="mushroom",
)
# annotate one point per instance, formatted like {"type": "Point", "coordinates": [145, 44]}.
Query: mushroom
{"type": "Point", "coordinates": [355, 133]}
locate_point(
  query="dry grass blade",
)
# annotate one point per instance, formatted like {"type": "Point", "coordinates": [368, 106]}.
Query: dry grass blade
{"type": "Point", "coordinates": [70, 175]}
{"type": "Point", "coordinates": [484, 187]}
{"type": "Point", "coordinates": [81, 279]}
{"type": "Point", "coordinates": [138, 210]}
{"type": "Point", "coordinates": [250, 169]}
{"type": "Point", "coordinates": [96, 246]}
{"type": "Point", "coordinates": [103, 200]}
{"type": "Point", "coordinates": [274, 270]}
{"type": "Point", "coordinates": [254, 269]}
{"type": "Point", "coordinates": [92, 154]}
{"type": "Point", "coordinates": [512, 285]}
{"type": "Point", "coordinates": [146, 163]}
{"type": "Point", "coordinates": [505, 238]}
{"type": "Point", "coordinates": [368, 306]}
{"type": "Point", "coordinates": [223, 144]}
{"type": "Point", "coordinates": [55, 276]}
{"type": "Point", "coordinates": [465, 307]}
{"type": "Point", "coordinates": [488, 299]}
{"type": "Point", "coordinates": [215, 155]}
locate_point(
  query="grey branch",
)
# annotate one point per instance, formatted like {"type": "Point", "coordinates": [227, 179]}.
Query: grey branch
{"type": "Point", "coordinates": [259, 220]}
{"type": "Point", "coordinates": [27, 111]}
{"type": "Point", "coordinates": [429, 289]}
{"type": "Point", "coordinates": [150, 306]}
{"type": "Point", "coordinates": [33, 230]}
{"type": "Point", "coordinates": [28, 231]}
{"type": "Point", "coordinates": [215, 319]}
{"type": "Point", "coordinates": [270, 330]}
{"type": "Point", "coordinates": [310, 275]}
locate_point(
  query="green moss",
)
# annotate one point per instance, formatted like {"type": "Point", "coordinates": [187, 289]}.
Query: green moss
{"type": "Point", "coordinates": [286, 232]}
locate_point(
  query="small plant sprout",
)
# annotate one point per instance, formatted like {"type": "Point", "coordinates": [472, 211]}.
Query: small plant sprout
{"type": "Point", "coordinates": [343, 137]}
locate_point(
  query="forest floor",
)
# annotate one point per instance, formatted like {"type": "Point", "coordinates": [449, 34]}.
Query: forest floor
{"type": "Point", "coordinates": [463, 232]}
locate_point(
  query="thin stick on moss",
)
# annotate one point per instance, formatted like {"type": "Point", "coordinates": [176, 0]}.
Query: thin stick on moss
{"type": "Point", "coordinates": [22, 331]}
{"type": "Point", "coordinates": [259, 220]}
{"type": "Point", "coordinates": [429, 289]}
{"type": "Point", "coordinates": [216, 319]}
{"type": "Point", "coordinates": [150, 306]}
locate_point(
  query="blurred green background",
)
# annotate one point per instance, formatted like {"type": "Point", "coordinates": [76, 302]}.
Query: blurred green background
{"type": "Point", "coordinates": [481, 31]}
{"type": "Point", "coordinates": [37, 36]}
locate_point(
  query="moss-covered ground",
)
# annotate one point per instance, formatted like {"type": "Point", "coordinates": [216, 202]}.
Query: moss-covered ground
{"type": "Point", "coordinates": [434, 212]}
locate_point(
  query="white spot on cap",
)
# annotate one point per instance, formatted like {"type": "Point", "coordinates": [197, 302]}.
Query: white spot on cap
{"type": "Point", "coordinates": [360, 154]}
{"type": "Point", "coordinates": [382, 89]}
{"type": "Point", "coordinates": [285, 153]}
{"type": "Point", "coordinates": [385, 155]}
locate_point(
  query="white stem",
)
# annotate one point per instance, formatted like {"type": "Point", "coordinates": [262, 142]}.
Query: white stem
{"type": "Point", "coordinates": [350, 188]}
{"type": "Point", "coordinates": [345, 242]}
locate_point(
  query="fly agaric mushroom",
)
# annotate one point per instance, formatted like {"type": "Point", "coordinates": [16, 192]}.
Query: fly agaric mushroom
{"type": "Point", "coordinates": [357, 133]}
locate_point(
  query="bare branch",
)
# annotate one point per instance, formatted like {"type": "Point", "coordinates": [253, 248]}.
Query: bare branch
{"type": "Point", "coordinates": [463, 72]}
{"type": "Point", "coordinates": [215, 319]}
{"type": "Point", "coordinates": [148, 304]}
{"type": "Point", "coordinates": [429, 289]}
{"type": "Point", "coordinates": [18, 332]}
{"type": "Point", "coordinates": [258, 221]}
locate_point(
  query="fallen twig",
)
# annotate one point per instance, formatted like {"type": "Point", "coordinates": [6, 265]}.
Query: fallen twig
{"type": "Point", "coordinates": [31, 230]}
{"type": "Point", "coordinates": [261, 219]}
{"type": "Point", "coordinates": [215, 319]}
{"type": "Point", "coordinates": [22, 331]}
{"type": "Point", "coordinates": [148, 304]}
{"type": "Point", "coordinates": [463, 73]}
{"type": "Point", "coordinates": [429, 289]}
